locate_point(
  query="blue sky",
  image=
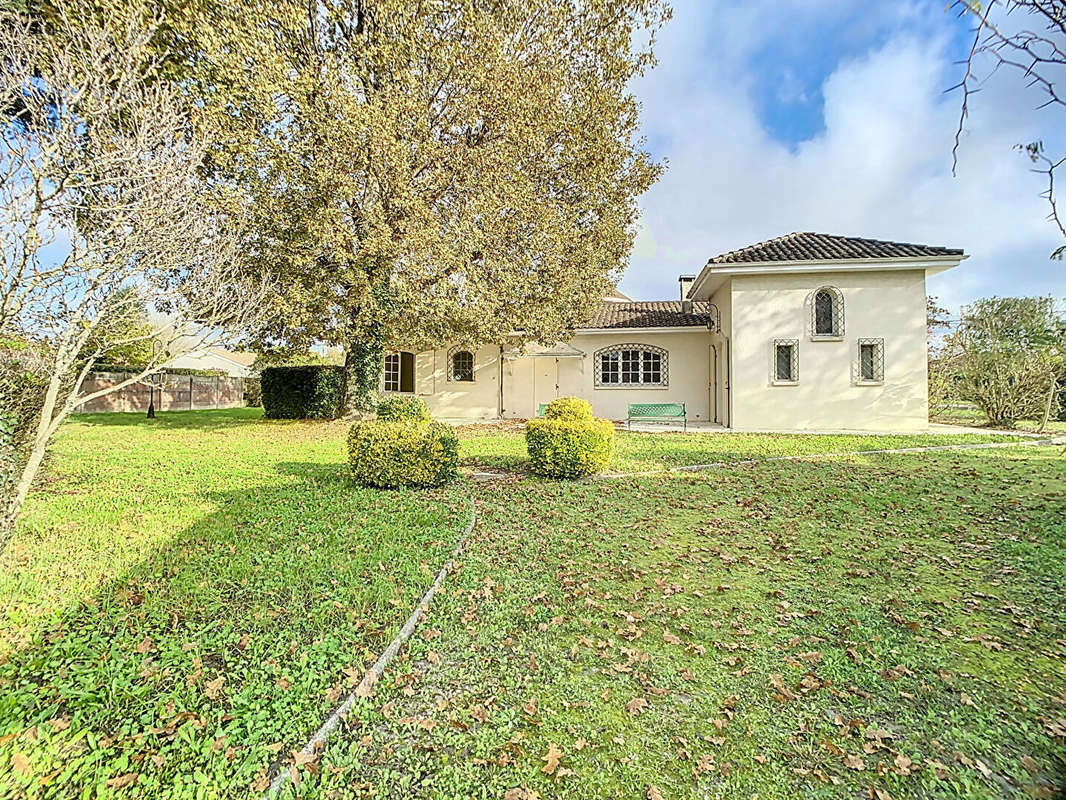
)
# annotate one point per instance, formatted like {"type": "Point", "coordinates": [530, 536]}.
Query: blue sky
{"type": "Point", "coordinates": [833, 116]}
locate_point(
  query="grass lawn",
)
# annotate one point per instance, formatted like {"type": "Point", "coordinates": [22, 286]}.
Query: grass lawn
{"type": "Point", "coordinates": [503, 447]}
{"type": "Point", "coordinates": [973, 417]}
{"type": "Point", "coordinates": [186, 600]}
{"type": "Point", "coordinates": [886, 626]}
{"type": "Point", "coordinates": [184, 596]}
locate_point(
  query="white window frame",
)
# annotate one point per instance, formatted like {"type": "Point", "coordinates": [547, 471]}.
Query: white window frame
{"type": "Point", "coordinates": [631, 360]}
{"type": "Point", "coordinates": [794, 362]}
{"type": "Point", "coordinates": [394, 376]}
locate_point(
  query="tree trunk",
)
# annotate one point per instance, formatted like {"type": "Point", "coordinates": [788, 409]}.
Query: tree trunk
{"type": "Point", "coordinates": [1050, 402]}
{"type": "Point", "coordinates": [362, 369]}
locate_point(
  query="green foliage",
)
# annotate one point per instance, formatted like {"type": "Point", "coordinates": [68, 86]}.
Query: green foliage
{"type": "Point", "coordinates": [311, 392]}
{"type": "Point", "coordinates": [570, 408]}
{"type": "Point", "coordinates": [569, 448]}
{"type": "Point", "coordinates": [249, 550]}
{"type": "Point", "coordinates": [253, 392]}
{"type": "Point", "coordinates": [398, 407]}
{"type": "Point", "coordinates": [1008, 356]}
{"type": "Point", "coordinates": [288, 358]}
{"type": "Point", "coordinates": [23, 382]}
{"type": "Point", "coordinates": [389, 454]}
{"type": "Point", "coordinates": [425, 223]}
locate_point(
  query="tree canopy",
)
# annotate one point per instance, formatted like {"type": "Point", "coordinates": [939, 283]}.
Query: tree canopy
{"type": "Point", "coordinates": [423, 172]}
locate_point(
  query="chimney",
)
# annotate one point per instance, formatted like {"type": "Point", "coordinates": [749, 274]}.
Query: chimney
{"type": "Point", "coordinates": [686, 282]}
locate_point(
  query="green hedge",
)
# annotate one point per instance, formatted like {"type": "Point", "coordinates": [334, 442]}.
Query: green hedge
{"type": "Point", "coordinates": [389, 454]}
{"type": "Point", "coordinates": [253, 393]}
{"type": "Point", "coordinates": [572, 408]}
{"type": "Point", "coordinates": [311, 392]}
{"type": "Point", "coordinates": [403, 407]}
{"type": "Point", "coordinates": [567, 448]}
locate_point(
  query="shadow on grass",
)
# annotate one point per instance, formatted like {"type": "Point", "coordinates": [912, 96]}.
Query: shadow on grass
{"type": "Point", "coordinates": [214, 653]}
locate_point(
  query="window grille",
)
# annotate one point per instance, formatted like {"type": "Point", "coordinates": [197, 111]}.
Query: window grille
{"type": "Point", "coordinates": [827, 314]}
{"type": "Point", "coordinates": [871, 360]}
{"type": "Point", "coordinates": [632, 365]}
{"type": "Point", "coordinates": [460, 365]}
{"type": "Point", "coordinates": [785, 364]}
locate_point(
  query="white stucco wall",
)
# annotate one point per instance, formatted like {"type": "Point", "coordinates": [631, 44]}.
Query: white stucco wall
{"type": "Point", "coordinates": [827, 396]}
{"type": "Point", "coordinates": [688, 373]}
{"type": "Point", "coordinates": [477, 399]}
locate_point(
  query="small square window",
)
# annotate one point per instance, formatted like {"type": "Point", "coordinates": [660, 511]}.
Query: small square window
{"type": "Point", "coordinates": [785, 364]}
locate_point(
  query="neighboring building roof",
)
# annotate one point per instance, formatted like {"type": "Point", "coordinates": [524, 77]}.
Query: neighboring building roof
{"type": "Point", "coordinates": [616, 295]}
{"type": "Point", "coordinates": [648, 314]}
{"type": "Point", "coordinates": [244, 359]}
{"type": "Point", "coordinates": [807, 246]}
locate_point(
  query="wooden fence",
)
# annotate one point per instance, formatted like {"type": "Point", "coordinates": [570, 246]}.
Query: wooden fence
{"type": "Point", "coordinates": [181, 393]}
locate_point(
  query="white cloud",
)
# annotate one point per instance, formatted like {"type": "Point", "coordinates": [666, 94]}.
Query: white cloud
{"type": "Point", "coordinates": [880, 168]}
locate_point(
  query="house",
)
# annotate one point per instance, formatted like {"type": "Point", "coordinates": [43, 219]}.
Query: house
{"type": "Point", "coordinates": [807, 331]}
{"type": "Point", "coordinates": [235, 365]}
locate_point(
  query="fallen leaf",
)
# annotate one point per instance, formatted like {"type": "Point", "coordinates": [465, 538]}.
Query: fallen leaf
{"type": "Point", "coordinates": [551, 759]}
{"type": "Point", "coordinates": [21, 764]}
{"type": "Point", "coordinates": [654, 793]}
{"type": "Point", "coordinates": [143, 647]}
{"type": "Point", "coordinates": [636, 706]}
{"type": "Point", "coordinates": [854, 762]}
{"type": "Point", "coordinates": [120, 781]}
{"type": "Point", "coordinates": [213, 688]}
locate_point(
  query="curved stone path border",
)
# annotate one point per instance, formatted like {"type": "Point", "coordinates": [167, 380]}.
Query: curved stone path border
{"type": "Point", "coordinates": [373, 675]}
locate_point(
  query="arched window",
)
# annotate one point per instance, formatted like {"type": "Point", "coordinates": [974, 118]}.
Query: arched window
{"type": "Point", "coordinates": [399, 372]}
{"type": "Point", "coordinates": [632, 365]}
{"type": "Point", "coordinates": [827, 313]}
{"type": "Point", "coordinates": [460, 365]}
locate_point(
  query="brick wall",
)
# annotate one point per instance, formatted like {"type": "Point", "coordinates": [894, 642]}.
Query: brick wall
{"type": "Point", "coordinates": [181, 393]}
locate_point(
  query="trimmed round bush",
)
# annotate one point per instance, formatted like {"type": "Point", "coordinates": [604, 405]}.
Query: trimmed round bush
{"type": "Point", "coordinates": [400, 407]}
{"type": "Point", "coordinates": [389, 454]}
{"type": "Point", "coordinates": [572, 408]}
{"type": "Point", "coordinates": [308, 392]}
{"type": "Point", "coordinates": [567, 448]}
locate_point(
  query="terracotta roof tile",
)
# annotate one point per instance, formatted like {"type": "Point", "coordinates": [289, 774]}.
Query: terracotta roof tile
{"type": "Point", "coordinates": [648, 314]}
{"type": "Point", "coordinates": [807, 246]}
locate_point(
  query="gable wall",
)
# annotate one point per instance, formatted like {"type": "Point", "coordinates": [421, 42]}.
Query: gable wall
{"type": "Point", "coordinates": [888, 305]}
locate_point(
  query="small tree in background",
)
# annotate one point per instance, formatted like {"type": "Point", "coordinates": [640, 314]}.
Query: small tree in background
{"type": "Point", "coordinates": [102, 217]}
{"type": "Point", "coordinates": [1010, 354]}
{"type": "Point", "coordinates": [943, 390]}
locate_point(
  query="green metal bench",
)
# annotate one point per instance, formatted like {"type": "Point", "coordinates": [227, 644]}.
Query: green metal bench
{"type": "Point", "coordinates": [657, 412]}
{"type": "Point", "coordinates": [541, 408]}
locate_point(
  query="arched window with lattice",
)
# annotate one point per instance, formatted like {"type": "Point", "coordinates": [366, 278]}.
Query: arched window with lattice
{"type": "Point", "coordinates": [461, 365]}
{"type": "Point", "coordinates": [632, 365]}
{"type": "Point", "coordinates": [827, 314]}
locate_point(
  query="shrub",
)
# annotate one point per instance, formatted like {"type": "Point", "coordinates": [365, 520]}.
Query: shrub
{"type": "Point", "coordinates": [572, 408]}
{"type": "Point", "coordinates": [253, 393]}
{"type": "Point", "coordinates": [389, 454]}
{"type": "Point", "coordinates": [403, 407]}
{"type": "Point", "coordinates": [311, 392]}
{"type": "Point", "coordinates": [568, 448]}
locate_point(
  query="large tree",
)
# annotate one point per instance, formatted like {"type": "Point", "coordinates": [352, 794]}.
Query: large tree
{"type": "Point", "coordinates": [425, 171]}
{"type": "Point", "coordinates": [103, 215]}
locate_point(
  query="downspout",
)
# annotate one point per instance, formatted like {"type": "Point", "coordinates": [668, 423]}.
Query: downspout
{"type": "Point", "coordinates": [714, 349]}
{"type": "Point", "coordinates": [500, 400]}
{"type": "Point", "coordinates": [729, 383]}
